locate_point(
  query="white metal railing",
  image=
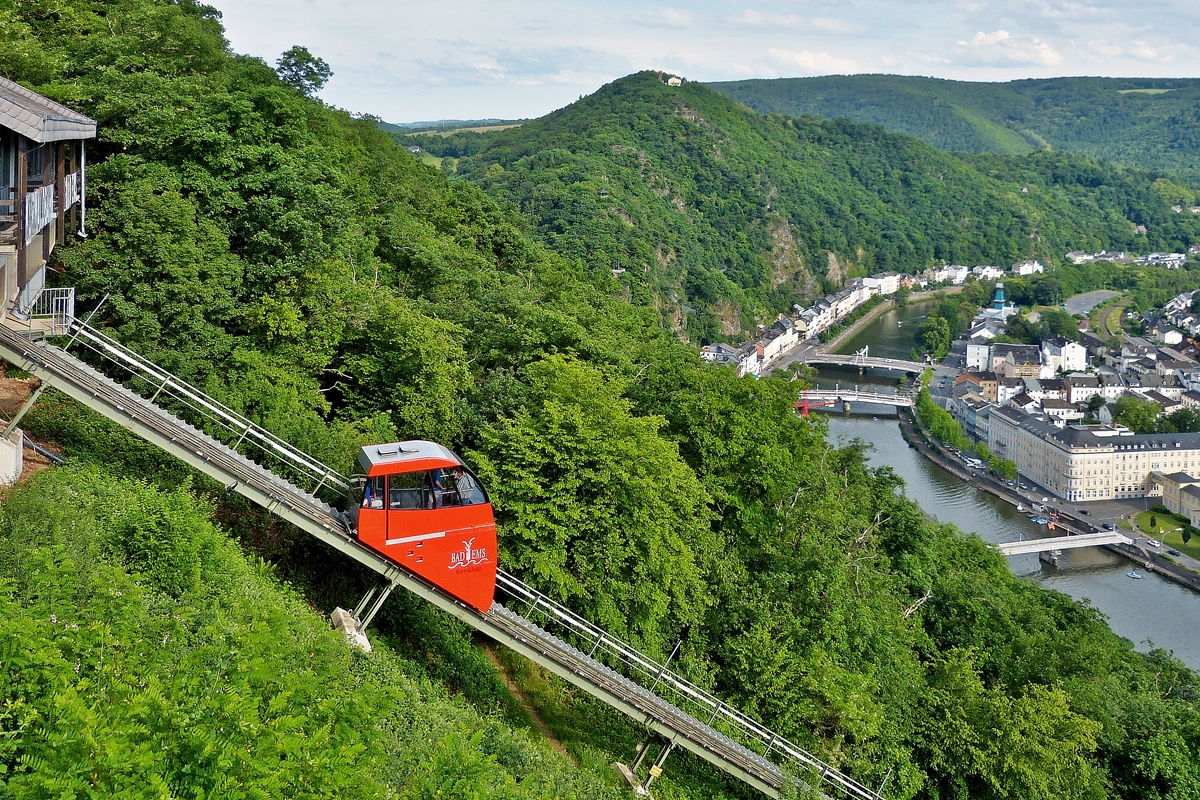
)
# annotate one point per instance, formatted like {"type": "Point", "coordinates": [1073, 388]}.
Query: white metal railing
{"type": "Point", "coordinates": [70, 190]}
{"type": "Point", "coordinates": [660, 680]}
{"type": "Point", "coordinates": [56, 305]}
{"type": "Point", "coordinates": [218, 419]}
{"type": "Point", "coordinates": [39, 211]}
{"type": "Point", "coordinates": [31, 291]}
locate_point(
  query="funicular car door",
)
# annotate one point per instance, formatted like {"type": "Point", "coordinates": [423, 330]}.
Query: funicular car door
{"type": "Point", "coordinates": [440, 526]}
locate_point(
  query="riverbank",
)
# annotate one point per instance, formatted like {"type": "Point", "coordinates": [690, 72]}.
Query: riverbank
{"type": "Point", "coordinates": [879, 310]}
{"type": "Point", "coordinates": [923, 442]}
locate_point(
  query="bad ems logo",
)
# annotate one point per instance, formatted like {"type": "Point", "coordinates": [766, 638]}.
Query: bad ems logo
{"type": "Point", "coordinates": [468, 556]}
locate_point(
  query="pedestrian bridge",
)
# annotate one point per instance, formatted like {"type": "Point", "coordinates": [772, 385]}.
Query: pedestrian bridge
{"type": "Point", "coordinates": [1063, 543]}
{"type": "Point", "coordinates": [818, 358]}
{"type": "Point", "coordinates": [814, 398]}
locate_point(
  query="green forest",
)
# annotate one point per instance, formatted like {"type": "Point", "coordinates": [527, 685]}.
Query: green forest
{"type": "Point", "coordinates": [1143, 123]}
{"type": "Point", "coordinates": [163, 639]}
{"type": "Point", "coordinates": [723, 218]}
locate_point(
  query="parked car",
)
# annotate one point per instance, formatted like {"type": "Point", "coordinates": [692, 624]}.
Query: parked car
{"type": "Point", "coordinates": [1084, 511]}
{"type": "Point", "coordinates": [1108, 526]}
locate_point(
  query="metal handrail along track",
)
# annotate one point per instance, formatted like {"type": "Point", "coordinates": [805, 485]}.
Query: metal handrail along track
{"type": "Point", "coordinates": [731, 745]}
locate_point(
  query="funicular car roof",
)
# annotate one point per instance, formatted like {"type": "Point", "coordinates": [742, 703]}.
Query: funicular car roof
{"type": "Point", "coordinates": [395, 457]}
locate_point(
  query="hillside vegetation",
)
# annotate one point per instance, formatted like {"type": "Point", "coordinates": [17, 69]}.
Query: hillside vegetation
{"type": "Point", "coordinates": [1145, 123]}
{"type": "Point", "coordinates": [307, 271]}
{"type": "Point", "coordinates": [723, 217]}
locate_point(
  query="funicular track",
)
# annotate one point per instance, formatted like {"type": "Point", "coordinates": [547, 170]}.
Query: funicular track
{"type": "Point", "coordinates": [612, 671]}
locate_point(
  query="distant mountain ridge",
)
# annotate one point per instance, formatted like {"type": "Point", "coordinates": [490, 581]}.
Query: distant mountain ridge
{"type": "Point", "coordinates": [720, 217]}
{"type": "Point", "coordinates": [445, 125]}
{"type": "Point", "coordinates": [1147, 123]}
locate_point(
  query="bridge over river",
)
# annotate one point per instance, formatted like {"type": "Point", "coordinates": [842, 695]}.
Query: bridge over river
{"type": "Point", "coordinates": [819, 358]}
{"type": "Point", "coordinates": [1063, 543]}
{"type": "Point", "coordinates": [818, 398]}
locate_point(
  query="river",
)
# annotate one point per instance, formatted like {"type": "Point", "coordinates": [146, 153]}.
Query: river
{"type": "Point", "coordinates": [1151, 612]}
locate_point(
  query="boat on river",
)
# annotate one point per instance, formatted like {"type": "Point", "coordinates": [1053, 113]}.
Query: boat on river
{"type": "Point", "coordinates": [1134, 575]}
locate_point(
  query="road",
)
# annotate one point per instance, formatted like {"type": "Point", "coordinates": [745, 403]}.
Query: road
{"type": "Point", "coordinates": [1084, 303]}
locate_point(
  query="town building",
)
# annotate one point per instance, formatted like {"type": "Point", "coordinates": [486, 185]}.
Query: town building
{"type": "Point", "coordinates": [1081, 463]}
{"type": "Point", "coordinates": [884, 283]}
{"type": "Point", "coordinates": [1180, 494]}
{"type": "Point", "coordinates": [1062, 355]}
{"type": "Point", "coordinates": [1016, 360]}
{"type": "Point", "coordinates": [985, 272]}
{"type": "Point", "coordinates": [1029, 267]}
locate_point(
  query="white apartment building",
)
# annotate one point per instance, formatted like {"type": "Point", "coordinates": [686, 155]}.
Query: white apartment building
{"type": "Point", "coordinates": [1059, 353]}
{"type": "Point", "coordinates": [985, 272]}
{"type": "Point", "coordinates": [1028, 267]}
{"type": "Point", "coordinates": [1095, 462]}
{"type": "Point", "coordinates": [884, 283]}
{"type": "Point", "coordinates": [979, 356]}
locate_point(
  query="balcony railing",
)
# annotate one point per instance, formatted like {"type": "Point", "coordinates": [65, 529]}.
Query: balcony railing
{"type": "Point", "coordinates": [39, 211]}
{"type": "Point", "coordinates": [50, 313]}
{"type": "Point", "coordinates": [70, 190]}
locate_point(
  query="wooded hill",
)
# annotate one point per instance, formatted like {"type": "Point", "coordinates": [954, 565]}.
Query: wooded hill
{"type": "Point", "coordinates": [1146, 123]}
{"type": "Point", "coordinates": [311, 274]}
{"type": "Point", "coordinates": [723, 217]}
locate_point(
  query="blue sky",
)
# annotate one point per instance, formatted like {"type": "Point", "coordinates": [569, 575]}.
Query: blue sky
{"type": "Point", "coordinates": [407, 61]}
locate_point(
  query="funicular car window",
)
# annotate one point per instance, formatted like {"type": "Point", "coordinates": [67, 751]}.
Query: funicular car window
{"type": "Point", "coordinates": [373, 491]}
{"type": "Point", "coordinates": [457, 487]}
{"type": "Point", "coordinates": [409, 491]}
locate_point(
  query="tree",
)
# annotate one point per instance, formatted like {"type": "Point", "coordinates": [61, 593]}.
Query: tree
{"type": "Point", "coordinates": [303, 71]}
{"type": "Point", "coordinates": [1185, 420]}
{"type": "Point", "coordinates": [936, 335]}
{"type": "Point", "coordinates": [1096, 402]}
{"type": "Point", "coordinates": [1008, 469]}
{"type": "Point", "coordinates": [596, 508]}
{"type": "Point", "coordinates": [1137, 414]}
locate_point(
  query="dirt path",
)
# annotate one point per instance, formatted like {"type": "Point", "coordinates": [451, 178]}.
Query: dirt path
{"type": "Point", "coordinates": [13, 394]}
{"type": "Point", "coordinates": [520, 697]}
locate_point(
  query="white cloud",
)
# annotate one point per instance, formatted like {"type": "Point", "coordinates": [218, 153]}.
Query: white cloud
{"type": "Point", "coordinates": [1000, 45]}
{"type": "Point", "coordinates": [508, 58]}
{"type": "Point", "coordinates": [811, 62]}
{"type": "Point", "coordinates": [1105, 48]}
{"type": "Point", "coordinates": [1156, 52]}
{"type": "Point", "coordinates": [774, 21]}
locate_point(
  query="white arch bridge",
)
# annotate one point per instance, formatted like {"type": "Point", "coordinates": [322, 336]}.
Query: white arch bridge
{"type": "Point", "coordinates": [1063, 543]}
{"type": "Point", "coordinates": [820, 398]}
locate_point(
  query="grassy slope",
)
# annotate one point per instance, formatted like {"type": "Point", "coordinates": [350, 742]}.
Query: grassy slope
{"type": "Point", "coordinates": [144, 653]}
{"type": "Point", "coordinates": [1111, 119]}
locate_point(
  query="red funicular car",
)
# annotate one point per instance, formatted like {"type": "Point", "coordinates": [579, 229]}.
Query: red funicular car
{"type": "Point", "coordinates": [423, 509]}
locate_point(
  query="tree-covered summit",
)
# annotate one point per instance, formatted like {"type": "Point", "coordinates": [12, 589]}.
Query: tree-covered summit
{"type": "Point", "coordinates": [722, 217]}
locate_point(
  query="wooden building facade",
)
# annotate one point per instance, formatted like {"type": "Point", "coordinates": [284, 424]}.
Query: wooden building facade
{"type": "Point", "coordinates": [42, 177]}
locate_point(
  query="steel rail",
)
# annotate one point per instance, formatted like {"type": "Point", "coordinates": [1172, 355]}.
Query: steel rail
{"type": "Point", "coordinates": [221, 461]}
{"type": "Point", "coordinates": [164, 382]}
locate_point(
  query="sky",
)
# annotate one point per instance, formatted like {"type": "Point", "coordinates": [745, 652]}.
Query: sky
{"type": "Point", "coordinates": [406, 61]}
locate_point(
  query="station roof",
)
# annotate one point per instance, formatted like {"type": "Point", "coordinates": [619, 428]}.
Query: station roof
{"type": "Point", "coordinates": [394, 454]}
{"type": "Point", "coordinates": [40, 118]}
